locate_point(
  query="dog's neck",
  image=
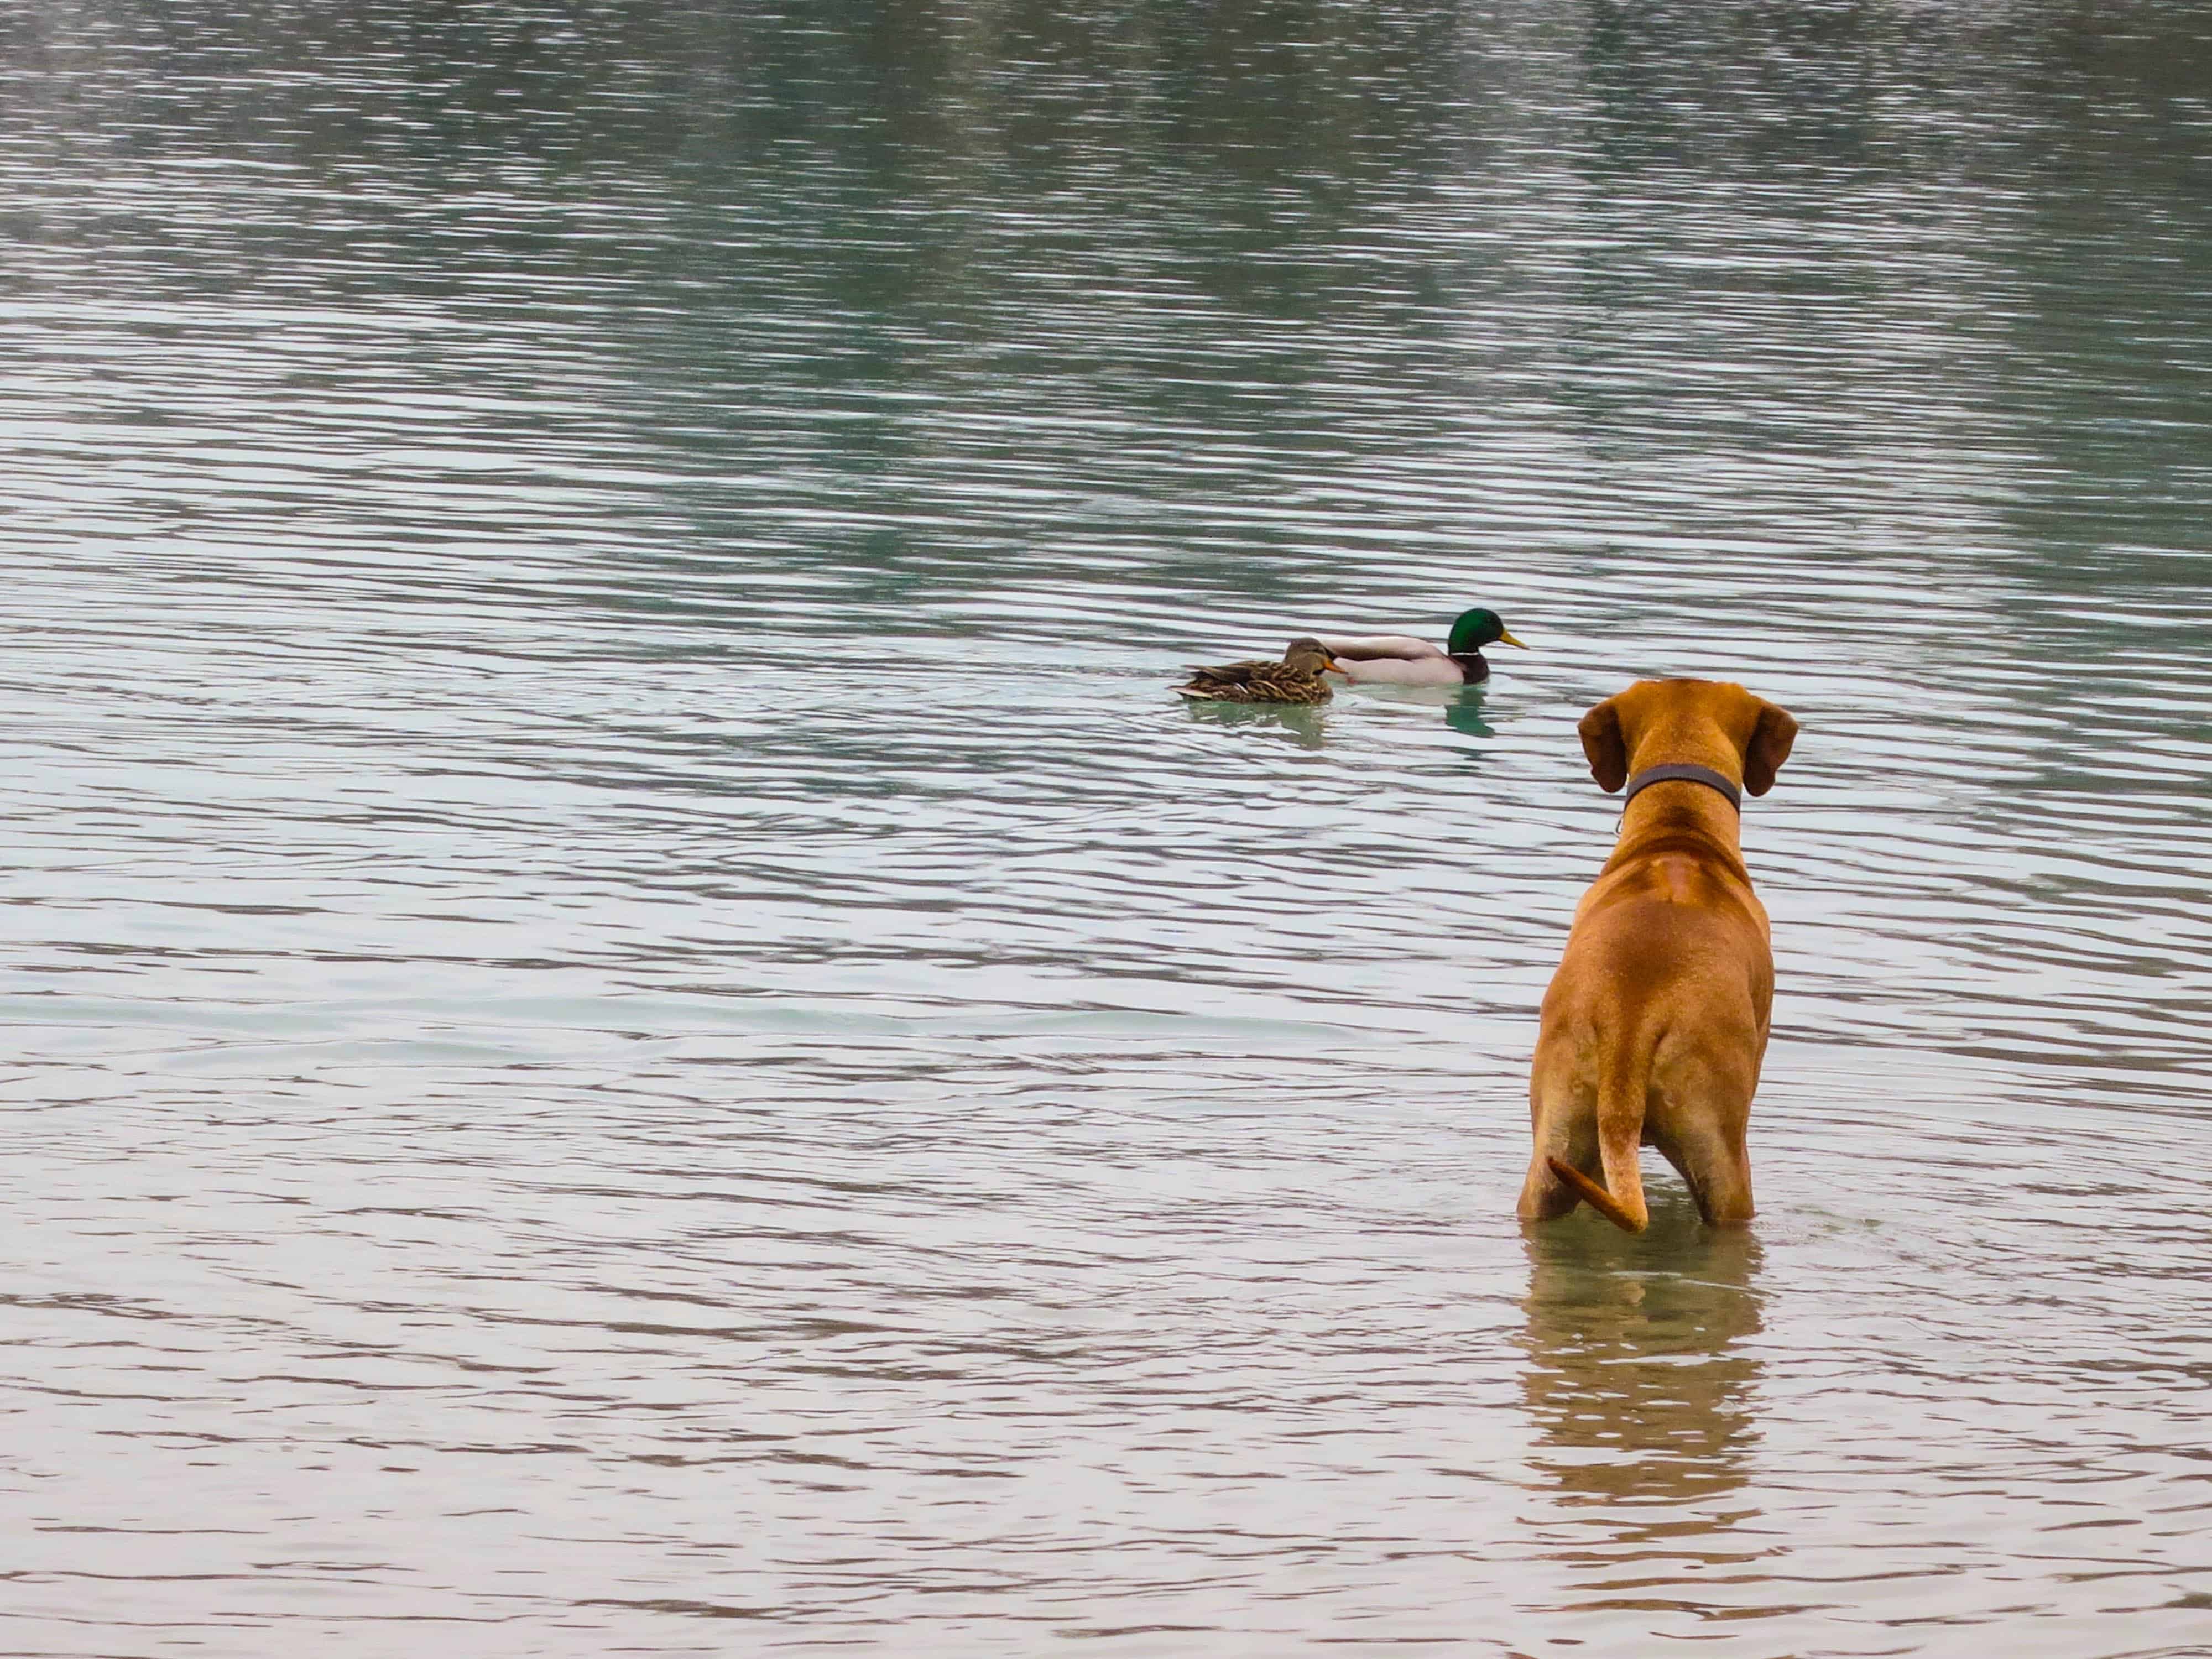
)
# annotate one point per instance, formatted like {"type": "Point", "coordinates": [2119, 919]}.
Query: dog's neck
{"type": "Point", "coordinates": [1666, 808]}
{"type": "Point", "coordinates": [1686, 772]}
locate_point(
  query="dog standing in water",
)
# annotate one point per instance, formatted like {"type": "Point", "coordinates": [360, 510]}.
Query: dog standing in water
{"type": "Point", "coordinates": [1654, 1025]}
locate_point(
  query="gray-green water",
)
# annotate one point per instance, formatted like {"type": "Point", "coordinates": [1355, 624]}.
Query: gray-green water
{"type": "Point", "coordinates": [637, 1026]}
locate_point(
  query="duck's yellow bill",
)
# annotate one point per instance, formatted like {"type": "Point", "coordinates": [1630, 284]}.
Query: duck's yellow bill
{"type": "Point", "coordinates": [1504, 638]}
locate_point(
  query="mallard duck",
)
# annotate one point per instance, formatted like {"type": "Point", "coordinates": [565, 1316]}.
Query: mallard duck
{"type": "Point", "coordinates": [1296, 679]}
{"type": "Point", "coordinates": [1401, 660]}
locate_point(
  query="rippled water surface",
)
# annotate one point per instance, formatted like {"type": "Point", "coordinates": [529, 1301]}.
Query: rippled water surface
{"type": "Point", "coordinates": [637, 1025]}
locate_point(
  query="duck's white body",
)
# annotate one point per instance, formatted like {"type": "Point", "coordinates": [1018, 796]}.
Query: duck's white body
{"type": "Point", "coordinates": [1392, 660]}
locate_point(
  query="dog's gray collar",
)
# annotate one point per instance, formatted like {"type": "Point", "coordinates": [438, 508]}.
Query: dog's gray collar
{"type": "Point", "coordinates": [1683, 774]}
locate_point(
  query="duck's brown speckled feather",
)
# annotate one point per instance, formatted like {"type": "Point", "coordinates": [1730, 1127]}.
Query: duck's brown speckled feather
{"type": "Point", "coordinates": [1255, 682]}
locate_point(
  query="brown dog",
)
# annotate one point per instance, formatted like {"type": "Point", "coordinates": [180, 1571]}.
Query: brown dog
{"type": "Point", "coordinates": [1655, 1025]}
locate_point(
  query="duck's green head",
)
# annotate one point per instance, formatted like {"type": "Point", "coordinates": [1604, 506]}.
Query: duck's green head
{"type": "Point", "coordinates": [1476, 628]}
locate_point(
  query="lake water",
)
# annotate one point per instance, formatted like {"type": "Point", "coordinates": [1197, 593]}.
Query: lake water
{"type": "Point", "coordinates": [636, 1024]}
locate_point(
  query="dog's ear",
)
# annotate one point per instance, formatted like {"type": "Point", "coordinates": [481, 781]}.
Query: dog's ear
{"type": "Point", "coordinates": [1768, 748]}
{"type": "Point", "coordinates": [1607, 752]}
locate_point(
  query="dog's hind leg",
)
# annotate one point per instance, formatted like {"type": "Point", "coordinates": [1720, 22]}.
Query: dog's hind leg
{"type": "Point", "coordinates": [1545, 1195]}
{"type": "Point", "coordinates": [1712, 1160]}
{"type": "Point", "coordinates": [1587, 1137]}
{"type": "Point", "coordinates": [1718, 1170]}
{"type": "Point", "coordinates": [1566, 1127]}
{"type": "Point", "coordinates": [1701, 1108]}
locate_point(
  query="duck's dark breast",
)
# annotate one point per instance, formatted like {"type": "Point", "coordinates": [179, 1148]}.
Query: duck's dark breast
{"type": "Point", "coordinates": [1472, 664]}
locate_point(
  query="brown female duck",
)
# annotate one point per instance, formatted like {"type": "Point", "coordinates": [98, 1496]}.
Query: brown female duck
{"type": "Point", "coordinates": [1296, 678]}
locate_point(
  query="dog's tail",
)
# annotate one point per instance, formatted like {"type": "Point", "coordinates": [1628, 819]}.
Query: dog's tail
{"type": "Point", "coordinates": [1620, 1131]}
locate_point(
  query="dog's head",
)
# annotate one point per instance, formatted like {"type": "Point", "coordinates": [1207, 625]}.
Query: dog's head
{"type": "Point", "coordinates": [1702, 722]}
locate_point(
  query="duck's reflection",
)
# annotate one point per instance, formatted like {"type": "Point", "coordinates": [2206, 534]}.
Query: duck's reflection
{"type": "Point", "coordinates": [1637, 1380]}
{"type": "Point", "coordinates": [1307, 727]}
{"type": "Point", "coordinates": [1461, 706]}
{"type": "Point", "coordinates": [1463, 713]}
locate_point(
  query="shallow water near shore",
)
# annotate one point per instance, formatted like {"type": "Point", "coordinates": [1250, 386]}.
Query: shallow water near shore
{"type": "Point", "coordinates": [638, 1025]}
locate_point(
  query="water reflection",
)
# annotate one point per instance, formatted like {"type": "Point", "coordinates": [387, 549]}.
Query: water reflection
{"type": "Point", "coordinates": [1460, 705]}
{"type": "Point", "coordinates": [1464, 716]}
{"type": "Point", "coordinates": [1638, 1377]}
{"type": "Point", "coordinates": [1461, 708]}
{"type": "Point", "coordinates": [1306, 726]}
